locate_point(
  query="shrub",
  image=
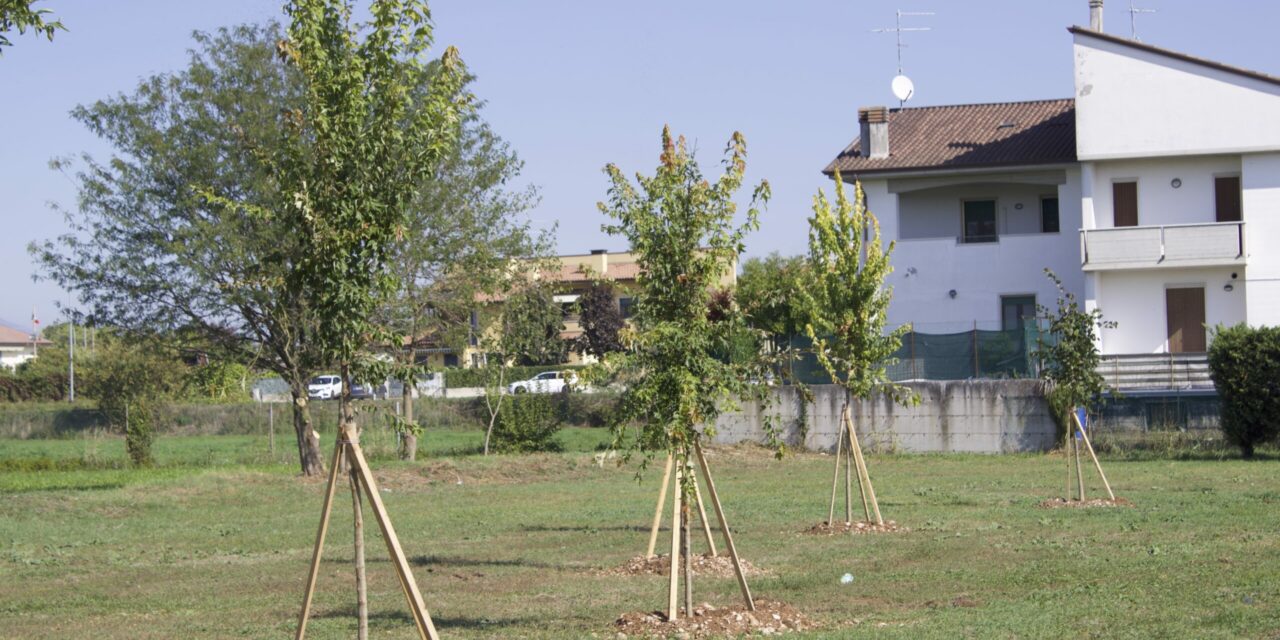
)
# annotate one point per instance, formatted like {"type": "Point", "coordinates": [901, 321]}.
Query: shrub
{"type": "Point", "coordinates": [25, 387]}
{"type": "Point", "coordinates": [1245, 365]}
{"type": "Point", "coordinates": [475, 376]}
{"type": "Point", "coordinates": [527, 422]}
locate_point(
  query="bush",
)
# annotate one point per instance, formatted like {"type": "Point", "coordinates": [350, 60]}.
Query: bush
{"type": "Point", "coordinates": [1245, 365]}
{"type": "Point", "coordinates": [526, 423]}
{"type": "Point", "coordinates": [26, 387]}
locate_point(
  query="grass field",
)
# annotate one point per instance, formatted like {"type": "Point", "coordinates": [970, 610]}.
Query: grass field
{"type": "Point", "coordinates": [215, 542]}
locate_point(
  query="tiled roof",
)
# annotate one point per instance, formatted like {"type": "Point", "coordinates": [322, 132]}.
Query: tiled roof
{"type": "Point", "coordinates": [11, 336]}
{"type": "Point", "coordinates": [575, 273]}
{"type": "Point", "coordinates": [971, 135]}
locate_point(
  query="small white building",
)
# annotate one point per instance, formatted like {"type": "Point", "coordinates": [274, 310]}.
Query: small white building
{"type": "Point", "coordinates": [1154, 194]}
{"type": "Point", "coordinates": [17, 347]}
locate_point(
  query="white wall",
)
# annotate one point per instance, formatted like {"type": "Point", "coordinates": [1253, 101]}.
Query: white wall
{"type": "Point", "coordinates": [11, 357]}
{"type": "Point", "coordinates": [1158, 202]}
{"type": "Point", "coordinates": [925, 270]}
{"type": "Point", "coordinates": [1134, 299]}
{"type": "Point", "coordinates": [1260, 181]}
{"type": "Point", "coordinates": [936, 212]}
{"type": "Point", "coordinates": [1133, 103]}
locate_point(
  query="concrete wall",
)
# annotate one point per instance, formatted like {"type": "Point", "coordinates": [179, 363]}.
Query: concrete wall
{"type": "Point", "coordinates": [1133, 103]}
{"type": "Point", "coordinates": [981, 416]}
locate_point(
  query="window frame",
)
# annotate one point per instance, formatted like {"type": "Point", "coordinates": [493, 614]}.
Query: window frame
{"type": "Point", "coordinates": [1057, 214]}
{"type": "Point", "coordinates": [1021, 319]}
{"type": "Point", "coordinates": [995, 221]}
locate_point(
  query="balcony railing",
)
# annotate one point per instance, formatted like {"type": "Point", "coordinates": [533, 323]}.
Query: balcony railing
{"type": "Point", "coordinates": [1174, 245]}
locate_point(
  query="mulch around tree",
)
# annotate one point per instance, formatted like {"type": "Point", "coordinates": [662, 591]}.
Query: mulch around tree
{"type": "Point", "coordinates": [855, 528]}
{"type": "Point", "coordinates": [769, 618]}
{"type": "Point", "coordinates": [1059, 503]}
{"type": "Point", "coordinates": [720, 566]}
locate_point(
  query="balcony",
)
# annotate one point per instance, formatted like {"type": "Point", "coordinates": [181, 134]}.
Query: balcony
{"type": "Point", "coordinates": [1175, 245]}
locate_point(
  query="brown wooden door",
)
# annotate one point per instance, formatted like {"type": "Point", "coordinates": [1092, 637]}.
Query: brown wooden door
{"type": "Point", "coordinates": [1124, 201]}
{"type": "Point", "coordinates": [1184, 308]}
{"type": "Point", "coordinates": [1226, 197]}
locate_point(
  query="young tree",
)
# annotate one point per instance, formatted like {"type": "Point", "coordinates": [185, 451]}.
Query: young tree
{"type": "Point", "coordinates": [682, 229]}
{"type": "Point", "coordinates": [845, 303]}
{"type": "Point", "coordinates": [769, 291]}
{"type": "Point", "coordinates": [601, 321]}
{"type": "Point", "coordinates": [130, 380]}
{"type": "Point", "coordinates": [19, 14]}
{"type": "Point", "coordinates": [146, 253]}
{"type": "Point", "coordinates": [531, 326]}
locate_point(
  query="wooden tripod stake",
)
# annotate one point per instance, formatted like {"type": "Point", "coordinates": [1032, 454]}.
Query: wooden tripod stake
{"type": "Point", "coordinates": [348, 448]}
{"type": "Point", "coordinates": [1084, 437]}
{"type": "Point", "coordinates": [854, 461]}
{"type": "Point", "coordinates": [680, 537]}
{"type": "Point", "coordinates": [662, 501]}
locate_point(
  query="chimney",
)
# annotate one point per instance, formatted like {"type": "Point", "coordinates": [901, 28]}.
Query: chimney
{"type": "Point", "coordinates": [873, 124]}
{"type": "Point", "coordinates": [1095, 15]}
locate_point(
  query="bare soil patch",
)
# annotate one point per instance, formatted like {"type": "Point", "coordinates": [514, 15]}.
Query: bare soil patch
{"type": "Point", "coordinates": [855, 528]}
{"type": "Point", "coordinates": [1059, 503]}
{"type": "Point", "coordinates": [707, 621]}
{"type": "Point", "coordinates": [720, 566]}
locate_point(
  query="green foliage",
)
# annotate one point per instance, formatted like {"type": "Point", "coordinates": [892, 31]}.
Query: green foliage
{"type": "Point", "coordinates": [527, 423]}
{"type": "Point", "coordinates": [682, 229]}
{"type": "Point", "coordinates": [29, 387]}
{"type": "Point", "coordinates": [217, 380]}
{"type": "Point", "coordinates": [769, 291]}
{"type": "Point", "coordinates": [1070, 358]}
{"type": "Point", "coordinates": [19, 14]}
{"type": "Point", "coordinates": [601, 321]}
{"type": "Point", "coordinates": [531, 326]}
{"type": "Point", "coordinates": [1245, 364]}
{"type": "Point", "coordinates": [844, 297]}
{"type": "Point", "coordinates": [129, 383]}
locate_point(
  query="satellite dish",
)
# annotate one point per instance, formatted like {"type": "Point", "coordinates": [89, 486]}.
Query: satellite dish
{"type": "Point", "coordinates": [903, 88]}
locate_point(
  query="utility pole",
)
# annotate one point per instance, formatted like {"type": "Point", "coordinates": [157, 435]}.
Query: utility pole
{"type": "Point", "coordinates": [71, 360]}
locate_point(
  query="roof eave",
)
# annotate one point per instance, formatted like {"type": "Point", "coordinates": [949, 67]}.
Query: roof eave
{"type": "Point", "coordinates": [904, 172]}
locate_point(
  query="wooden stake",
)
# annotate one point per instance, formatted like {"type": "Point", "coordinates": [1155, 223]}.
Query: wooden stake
{"type": "Point", "coordinates": [426, 629]}
{"type": "Point", "coordinates": [1093, 455]}
{"type": "Point", "coordinates": [724, 527]}
{"type": "Point", "coordinates": [864, 475]}
{"type": "Point", "coordinates": [362, 585]}
{"type": "Point", "coordinates": [1066, 449]}
{"type": "Point", "coordinates": [657, 513]}
{"type": "Point", "coordinates": [702, 513]}
{"type": "Point", "coordinates": [848, 484]}
{"type": "Point", "coordinates": [835, 480]}
{"type": "Point", "coordinates": [687, 552]}
{"type": "Point", "coordinates": [319, 548]}
{"type": "Point", "coordinates": [1079, 475]}
{"type": "Point", "coordinates": [673, 608]}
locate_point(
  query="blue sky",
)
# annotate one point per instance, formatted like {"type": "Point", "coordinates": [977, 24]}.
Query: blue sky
{"type": "Point", "coordinates": [574, 85]}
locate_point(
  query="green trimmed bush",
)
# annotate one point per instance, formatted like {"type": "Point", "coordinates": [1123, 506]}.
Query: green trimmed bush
{"type": "Point", "coordinates": [1245, 364]}
{"type": "Point", "coordinates": [527, 422]}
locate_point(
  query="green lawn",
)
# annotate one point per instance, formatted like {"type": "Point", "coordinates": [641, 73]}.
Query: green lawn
{"type": "Point", "coordinates": [215, 544]}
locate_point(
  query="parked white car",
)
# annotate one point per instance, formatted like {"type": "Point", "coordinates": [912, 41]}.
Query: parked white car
{"type": "Point", "coordinates": [546, 382]}
{"type": "Point", "coordinates": [325, 387]}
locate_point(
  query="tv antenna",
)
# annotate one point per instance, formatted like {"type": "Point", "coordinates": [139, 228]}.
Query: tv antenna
{"type": "Point", "coordinates": [902, 86]}
{"type": "Point", "coordinates": [1133, 19]}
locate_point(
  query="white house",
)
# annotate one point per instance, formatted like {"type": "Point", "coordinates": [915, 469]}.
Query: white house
{"type": "Point", "coordinates": [1154, 194]}
{"type": "Point", "coordinates": [17, 347]}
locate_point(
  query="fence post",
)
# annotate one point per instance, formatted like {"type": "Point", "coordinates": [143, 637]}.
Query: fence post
{"type": "Point", "coordinates": [975, 348]}
{"type": "Point", "coordinates": [271, 429]}
{"type": "Point", "coordinates": [913, 352]}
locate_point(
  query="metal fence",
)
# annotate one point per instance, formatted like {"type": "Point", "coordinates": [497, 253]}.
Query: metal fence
{"type": "Point", "coordinates": [974, 354]}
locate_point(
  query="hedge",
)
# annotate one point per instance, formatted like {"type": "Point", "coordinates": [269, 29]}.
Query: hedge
{"type": "Point", "coordinates": [474, 377]}
{"type": "Point", "coordinates": [1245, 365]}
{"type": "Point", "coordinates": [26, 388]}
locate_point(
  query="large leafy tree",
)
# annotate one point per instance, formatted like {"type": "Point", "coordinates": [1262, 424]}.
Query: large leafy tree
{"type": "Point", "coordinates": [601, 321]}
{"type": "Point", "coordinates": [531, 326]}
{"type": "Point", "coordinates": [683, 230]}
{"type": "Point", "coordinates": [148, 253]}
{"type": "Point", "coordinates": [769, 291]}
{"type": "Point", "coordinates": [21, 15]}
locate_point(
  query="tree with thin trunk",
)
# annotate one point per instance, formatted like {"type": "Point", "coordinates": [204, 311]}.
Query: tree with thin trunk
{"type": "Point", "coordinates": [845, 303]}
{"type": "Point", "coordinates": [682, 229]}
{"type": "Point", "coordinates": [154, 248]}
{"type": "Point", "coordinates": [601, 321]}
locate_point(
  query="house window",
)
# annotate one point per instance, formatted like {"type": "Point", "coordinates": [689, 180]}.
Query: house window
{"type": "Point", "coordinates": [1226, 196]}
{"type": "Point", "coordinates": [450, 359]}
{"type": "Point", "coordinates": [626, 306]}
{"type": "Point", "coordinates": [1124, 202]}
{"type": "Point", "coordinates": [1015, 311]}
{"type": "Point", "coordinates": [1049, 214]}
{"type": "Point", "coordinates": [980, 221]}
{"type": "Point", "coordinates": [477, 360]}
{"type": "Point", "coordinates": [474, 338]}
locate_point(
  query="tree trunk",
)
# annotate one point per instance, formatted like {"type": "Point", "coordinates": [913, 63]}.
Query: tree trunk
{"type": "Point", "coordinates": [309, 455]}
{"type": "Point", "coordinates": [408, 441]}
{"type": "Point", "coordinates": [348, 430]}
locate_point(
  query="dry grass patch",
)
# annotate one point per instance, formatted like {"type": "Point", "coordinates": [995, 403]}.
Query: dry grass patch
{"type": "Point", "coordinates": [707, 621]}
{"type": "Point", "coordinates": [720, 566]}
